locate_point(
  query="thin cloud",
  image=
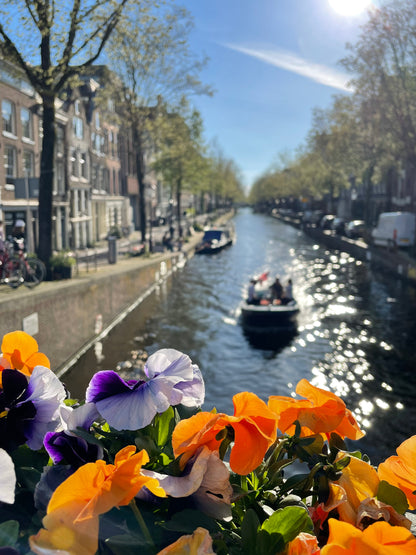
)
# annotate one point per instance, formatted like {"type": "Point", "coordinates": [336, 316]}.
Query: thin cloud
{"type": "Point", "coordinates": [291, 62]}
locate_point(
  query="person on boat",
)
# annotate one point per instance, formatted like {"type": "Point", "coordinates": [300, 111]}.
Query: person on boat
{"type": "Point", "coordinates": [288, 292]}
{"type": "Point", "coordinates": [252, 297]}
{"type": "Point", "coordinates": [276, 290]}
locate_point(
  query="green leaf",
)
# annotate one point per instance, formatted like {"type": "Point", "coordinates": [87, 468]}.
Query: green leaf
{"type": "Point", "coordinates": [249, 528]}
{"type": "Point", "coordinates": [289, 522]}
{"type": "Point", "coordinates": [269, 544]}
{"type": "Point", "coordinates": [128, 545]}
{"type": "Point", "coordinates": [164, 424]}
{"type": "Point", "coordinates": [187, 521]}
{"type": "Point", "coordinates": [392, 496]}
{"type": "Point", "coordinates": [9, 533]}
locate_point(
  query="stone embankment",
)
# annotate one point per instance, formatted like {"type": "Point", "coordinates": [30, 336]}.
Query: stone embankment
{"type": "Point", "coordinates": [67, 317]}
{"type": "Point", "coordinates": [396, 262]}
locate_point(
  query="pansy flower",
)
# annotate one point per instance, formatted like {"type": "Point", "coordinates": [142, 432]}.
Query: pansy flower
{"type": "Point", "coordinates": [206, 480]}
{"type": "Point", "coordinates": [71, 522]}
{"type": "Point", "coordinates": [29, 409]}
{"type": "Point", "coordinates": [199, 543]}
{"type": "Point", "coordinates": [303, 544]}
{"type": "Point", "coordinates": [380, 537]}
{"type": "Point", "coordinates": [172, 379]}
{"type": "Point", "coordinates": [68, 447]}
{"type": "Point", "coordinates": [322, 412]}
{"type": "Point", "coordinates": [400, 470]}
{"type": "Point", "coordinates": [253, 426]}
{"type": "Point", "coordinates": [20, 352]}
{"type": "Point", "coordinates": [7, 478]}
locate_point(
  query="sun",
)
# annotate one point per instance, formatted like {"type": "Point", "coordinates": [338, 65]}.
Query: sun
{"type": "Point", "coordinates": [349, 7]}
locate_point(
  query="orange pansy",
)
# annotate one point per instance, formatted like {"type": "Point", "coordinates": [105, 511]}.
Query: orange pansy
{"type": "Point", "coordinates": [378, 539]}
{"type": "Point", "coordinates": [254, 428]}
{"type": "Point", "coordinates": [93, 489]}
{"type": "Point", "coordinates": [20, 350]}
{"type": "Point", "coordinates": [400, 470]}
{"type": "Point", "coordinates": [322, 412]}
{"type": "Point", "coordinates": [303, 544]}
{"type": "Point", "coordinates": [199, 543]}
{"type": "Point", "coordinates": [359, 481]}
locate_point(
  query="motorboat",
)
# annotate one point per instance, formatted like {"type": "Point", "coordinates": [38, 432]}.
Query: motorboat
{"type": "Point", "coordinates": [215, 239]}
{"type": "Point", "coordinates": [265, 313]}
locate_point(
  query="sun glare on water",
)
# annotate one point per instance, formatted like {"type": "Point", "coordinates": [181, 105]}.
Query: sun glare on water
{"type": "Point", "coordinates": [349, 7]}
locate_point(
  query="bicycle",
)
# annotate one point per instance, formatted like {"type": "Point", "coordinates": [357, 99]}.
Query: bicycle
{"type": "Point", "coordinates": [12, 269]}
{"type": "Point", "coordinates": [33, 269]}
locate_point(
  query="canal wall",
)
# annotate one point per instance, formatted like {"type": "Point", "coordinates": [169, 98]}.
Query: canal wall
{"type": "Point", "coordinates": [394, 261]}
{"type": "Point", "coordinates": [66, 317]}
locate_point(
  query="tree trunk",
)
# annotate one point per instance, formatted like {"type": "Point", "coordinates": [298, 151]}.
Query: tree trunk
{"type": "Point", "coordinates": [46, 179]}
{"type": "Point", "coordinates": [178, 205]}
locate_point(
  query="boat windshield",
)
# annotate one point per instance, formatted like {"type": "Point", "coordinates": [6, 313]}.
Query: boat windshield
{"type": "Point", "coordinates": [212, 234]}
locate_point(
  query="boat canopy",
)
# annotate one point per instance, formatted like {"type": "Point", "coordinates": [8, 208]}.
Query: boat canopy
{"type": "Point", "coordinates": [212, 235]}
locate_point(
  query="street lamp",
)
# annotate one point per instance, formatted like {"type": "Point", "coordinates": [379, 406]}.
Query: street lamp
{"type": "Point", "coordinates": [29, 225]}
{"type": "Point", "coordinates": [150, 235]}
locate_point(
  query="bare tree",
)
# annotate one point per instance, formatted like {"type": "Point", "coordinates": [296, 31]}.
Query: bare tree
{"type": "Point", "coordinates": [52, 43]}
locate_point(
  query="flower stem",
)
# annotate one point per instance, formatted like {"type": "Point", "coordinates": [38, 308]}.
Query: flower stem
{"type": "Point", "coordinates": [141, 521]}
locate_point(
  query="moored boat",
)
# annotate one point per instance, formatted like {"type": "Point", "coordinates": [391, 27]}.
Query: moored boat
{"type": "Point", "coordinates": [215, 239]}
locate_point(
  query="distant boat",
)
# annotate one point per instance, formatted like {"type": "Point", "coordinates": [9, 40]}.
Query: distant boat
{"type": "Point", "coordinates": [215, 239]}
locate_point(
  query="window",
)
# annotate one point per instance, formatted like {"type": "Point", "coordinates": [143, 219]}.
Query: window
{"type": "Point", "coordinates": [59, 178]}
{"type": "Point", "coordinates": [10, 163]}
{"type": "Point", "coordinates": [78, 127]}
{"type": "Point", "coordinates": [97, 120]}
{"type": "Point", "coordinates": [77, 107]}
{"type": "Point", "coordinates": [84, 165]}
{"type": "Point", "coordinates": [27, 125]}
{"type": "Point", "coordinates": [8, 115]}
{"type": "Point", "coordinates": [28, 163]}
{"type": "Point", "coordinates": [74, 163]}
{"type": "Point", "coordinates": [60, 140]}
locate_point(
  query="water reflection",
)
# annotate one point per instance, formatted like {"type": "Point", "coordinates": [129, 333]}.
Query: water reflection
{"type": "Point", "coordinates": [355, 332]}
{"type": "Point", "coordinates": [274, 340]}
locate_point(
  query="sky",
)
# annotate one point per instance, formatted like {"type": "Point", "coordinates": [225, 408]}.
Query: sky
{"type": "Point", "coordinates": [271, 62]}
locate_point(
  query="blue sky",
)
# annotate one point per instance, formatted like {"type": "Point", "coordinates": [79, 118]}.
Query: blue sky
{"type": "Point", "coordinates": [271, 62]}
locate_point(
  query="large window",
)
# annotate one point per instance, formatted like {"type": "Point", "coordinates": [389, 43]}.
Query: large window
{"type": "Point", "coordinates": [8, 116]}
{"type": "Point", "coordinates": [84, 165]}
{"type": "Point", "coordinates": [60, 140]}
{"type": "Point", "coordinates": [28, 163]}
{"type": "Point", "coordinates": [74, 163]}
{"type": "Point", "coordinates": [78, 127]}
{"type": "Point", "coordinates": [59, 184]}
{"type": "Point", "coordinates": [27, 124]}
{"type": "Point", "coordinates": [9, 163]}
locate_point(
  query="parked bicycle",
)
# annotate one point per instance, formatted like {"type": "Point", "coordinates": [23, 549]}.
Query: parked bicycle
{"type": "Point", "coordinates": [19, 268]}
{"type": "Point", "coordinates": [12, 269]}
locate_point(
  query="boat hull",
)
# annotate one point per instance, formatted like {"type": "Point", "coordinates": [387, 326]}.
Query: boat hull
{"type": "Point", "coordinates": [269, 316]}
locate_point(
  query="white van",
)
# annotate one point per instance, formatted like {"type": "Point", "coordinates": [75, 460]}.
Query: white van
{"type": "Point", "coordinates": [395, 229]}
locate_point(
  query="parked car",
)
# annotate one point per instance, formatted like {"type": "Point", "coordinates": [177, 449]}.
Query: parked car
{"type": "Point", "coordinates": [326, 221]}
{"type": "Point", "coordinates": [355, 229]}
{"type": "Point", "coordinates": [338, 225]}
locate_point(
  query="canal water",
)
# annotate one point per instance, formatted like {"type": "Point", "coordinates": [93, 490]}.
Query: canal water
{"type": "Point", "coordinates": [356, 330]}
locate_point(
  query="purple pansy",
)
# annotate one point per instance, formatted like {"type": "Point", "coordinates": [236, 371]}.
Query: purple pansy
{"type": "Point", "coordinates": [132, 405]}
{"type": "Point", "coordinates": [65, 446]}
{"type": "Point", "coordinates": [29, 409]}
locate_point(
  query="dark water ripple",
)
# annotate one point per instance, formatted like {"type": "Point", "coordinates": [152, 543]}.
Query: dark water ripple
{"type": "Point", "coordinates": [355, 335]}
